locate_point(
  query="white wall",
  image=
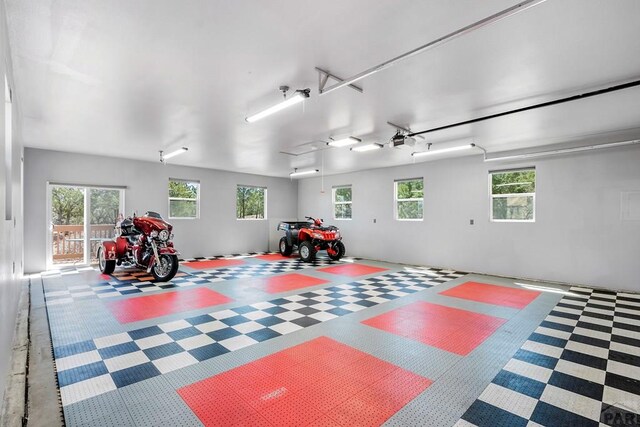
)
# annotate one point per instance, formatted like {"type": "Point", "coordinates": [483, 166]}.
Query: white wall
{"type": "Point", "coordinates": [216, 232]}
{"type": "Point", "coordinates": [578, 236]}
{"type": "Point", "coordinates": [10, 229]}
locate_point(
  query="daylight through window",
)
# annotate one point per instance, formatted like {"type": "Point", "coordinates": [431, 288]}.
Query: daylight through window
{"type": "Point", "coordinates": [251, 202]}
{"type": "Point", "coordinates": [513, 195]}
{"type": "Point", "coordinates": [342, 202]}
{"type": "Point", "coordinates": [184, 199]}
{"type": "Point", "coordinates": [409, 203]}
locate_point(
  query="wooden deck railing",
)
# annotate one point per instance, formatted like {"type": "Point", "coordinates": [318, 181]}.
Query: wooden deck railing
{"type": "Point", "coordinates": [68, 241]}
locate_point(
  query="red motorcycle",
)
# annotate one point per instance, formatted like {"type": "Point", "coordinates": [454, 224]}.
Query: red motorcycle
{"type": "Point", "coordinates": [143, 242]}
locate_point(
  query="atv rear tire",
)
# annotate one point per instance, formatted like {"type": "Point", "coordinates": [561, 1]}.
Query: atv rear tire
{"type": "Point", "coordinates": [340, 249]}
{"type": "Point", "coordinates": [106, 266]}
{"type": "Point", "coordinates": [285, 248]}
{"type": "Point", "coordinates": [307, 251]}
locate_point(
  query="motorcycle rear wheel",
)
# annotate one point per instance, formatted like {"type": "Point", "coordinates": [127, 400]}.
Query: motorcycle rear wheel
{"type": "Point", "coordinates": [106, 266]}
{"type": "Point", "coordinates": [167, 269]}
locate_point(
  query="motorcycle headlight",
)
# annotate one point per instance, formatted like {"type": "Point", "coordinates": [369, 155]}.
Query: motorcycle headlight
{"type": "Point", "coordinates": [154, 234]}
{"type": "Point", "coordinates": [163, 235]}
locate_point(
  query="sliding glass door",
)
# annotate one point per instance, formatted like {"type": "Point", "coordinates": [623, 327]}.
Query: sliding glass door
{"type": "Point", "coordinates": [80, 218]}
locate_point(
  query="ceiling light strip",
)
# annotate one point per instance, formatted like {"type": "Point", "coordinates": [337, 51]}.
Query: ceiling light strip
{"type": "Point", "coordinates": [344, 142]}
{"type": "Point", "coordinates": [562, 151]}
{"type": "Point", "coordinates": [301, 173]}
{"type": "Point", "coordinates": [367, 147]}
{"type": "Point", "coordinates": [437, 42]}
{"type": "Point", "coordinates": [443, 150]}
{"type": "Point", "coordinates": [299, 96]}
{"type": "Point", "coordinates": [167, 156]}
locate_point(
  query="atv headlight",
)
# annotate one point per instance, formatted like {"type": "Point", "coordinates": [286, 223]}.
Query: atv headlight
{"type": "Point", "coordinates": [163, 235]}
{"type": "Point", "coordinates": [337, 234]}
{"type": "Point", "coordinates": [318, 236]}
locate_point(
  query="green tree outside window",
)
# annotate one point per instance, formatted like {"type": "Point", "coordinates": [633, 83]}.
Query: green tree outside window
{"type": "Point", "coordinates": [251, 202]}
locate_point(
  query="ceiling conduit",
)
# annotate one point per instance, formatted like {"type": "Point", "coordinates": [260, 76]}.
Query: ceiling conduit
{"type": "Point", "coordinates": [610, 89]}
{"type": "Point", "coordinates": [437, 42]}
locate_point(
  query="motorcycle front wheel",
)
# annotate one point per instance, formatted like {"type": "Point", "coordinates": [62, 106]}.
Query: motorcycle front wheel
{"type": "Point", "coordinates": [166, 268]}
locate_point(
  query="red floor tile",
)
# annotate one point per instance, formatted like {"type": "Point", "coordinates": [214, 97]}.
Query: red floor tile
{"type": "Point", "coordinates": [352, 270]}
{"type": "Point", "coordinates": [493, 294]}
{"type": "Point", "coordinates": [147, 307]}
{"type": "Point", "coordinates": [286, 282]}
{"type": "Point", "coordinates": [212, 264]}
{"type": "Point", "coordinates": [451, 329]}
{"type": "Point", "coordinates": [275, 257]}
{"type": "Point", "coordinates": [287, 389]}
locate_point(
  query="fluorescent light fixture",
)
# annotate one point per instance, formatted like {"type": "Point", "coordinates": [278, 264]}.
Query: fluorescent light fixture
{"type": "Point", "coordinates": [443, 150]}
{"type": "Point", "coordinates": [562, 151]}
{"type": "Point", "coordinates": [367, 147]}
{"type": "Point", "coordinates": [301, 173]}
{"type": "Point", "coordinates": [298, 96]}
{"type": "Point", "coordinates": [344, 142]}
{"type": "Point", "coordinates": [173, 153]}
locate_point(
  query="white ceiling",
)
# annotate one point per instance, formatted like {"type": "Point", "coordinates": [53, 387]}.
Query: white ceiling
{"type": "Point", "coordinates": [127, 79]}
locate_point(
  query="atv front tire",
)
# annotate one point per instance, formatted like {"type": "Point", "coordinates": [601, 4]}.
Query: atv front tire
{"type": "Point", "coordinates": [307, 251]}
{"type": "Point", "coordinates": [340, 251]}
{"type": "Point", "coordinates": [285, 248]}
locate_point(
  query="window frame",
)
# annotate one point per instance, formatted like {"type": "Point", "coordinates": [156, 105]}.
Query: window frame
{"type": "Point", "coordinates": [415, 199]}
{"type": "Point", "coordinates": [505, 196]}
{"type": "Point", "coordinates": [266, 193]}
{"type": "Point", "coordinates": [335, 203]}
{"type": "Point", "coordinates": [197, 199]}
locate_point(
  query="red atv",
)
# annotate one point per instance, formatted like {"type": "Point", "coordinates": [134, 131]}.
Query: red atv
{"type": "Point", "coordinates": [310, 237]}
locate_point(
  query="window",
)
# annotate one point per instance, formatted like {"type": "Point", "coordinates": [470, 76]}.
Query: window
{"type": "Point", "coordinates": [251, 202]}
{"type": "Point", "coordinates": [342, 202]}
{"type": "Point", "coordinates": [409, 195]}
{"type": "Point", "coordinates": [184, 199]}
{"type": "Point", "coordinates": [513, 194]}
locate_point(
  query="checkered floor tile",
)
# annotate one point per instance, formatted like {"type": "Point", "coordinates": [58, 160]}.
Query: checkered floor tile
{"type": "Point", "coordinates": [93, 367]}
{"type": "Point", "coordinates": [114, 288]}
{"type": "Point", "coordinates": [581, 366]}
{"type": "Point", "coordinates": [263, 269]}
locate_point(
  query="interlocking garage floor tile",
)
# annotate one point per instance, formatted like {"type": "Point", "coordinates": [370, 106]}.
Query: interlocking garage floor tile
{"type": "Point", "coordinates": [147, 307]}
{"type": "Point", "coordinates": [352, 270]}
{"type": "Point", "coordinates": [321, 382]}
{"type": "Point", "coordinates": [451, 329]}
{"type": "Point", "coordinates": [275, 257]}
{"type": "Point", "coordinates": [493, 294]}
{"type": "Point", "coordinates": [213, 264]}
{"type": "Point", "coordinates": [286, 282]}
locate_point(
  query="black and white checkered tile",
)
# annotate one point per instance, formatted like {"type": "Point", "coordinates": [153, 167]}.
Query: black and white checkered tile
{"type": "Point", "coordinates": [580, 367]}
{"type": "Point", "coordinates": [116, 288]}
{"type": "Point", "coordinates": [263, 269]}
{"type": "Point", "coordinates": [89, 368]}
{"type": "Point", "coordinates": [230, 256]}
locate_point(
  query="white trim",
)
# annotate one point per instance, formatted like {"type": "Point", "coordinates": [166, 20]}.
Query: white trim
{"type": "Point", "coordinates": [413, 199]}
{"type": "Point", "coordinates": [508, 195]}
{"type": "Point", "coordinates": [197, 198]}
{"type": "Point", "coordinates": [265, 204]}
{"type": "Point", "coordinates": [335, 203]}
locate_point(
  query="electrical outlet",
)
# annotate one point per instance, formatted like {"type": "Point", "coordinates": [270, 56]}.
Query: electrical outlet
{"type": "Point", "coordinates": [471, 222]}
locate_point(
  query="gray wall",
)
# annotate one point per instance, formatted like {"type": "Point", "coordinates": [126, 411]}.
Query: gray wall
{"type": "Point", "coordinates": [216, 232]}
{"type": "Point", "coordinates": [11, 227]}
{"type": "Point", "coordinates": [578, 236]}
